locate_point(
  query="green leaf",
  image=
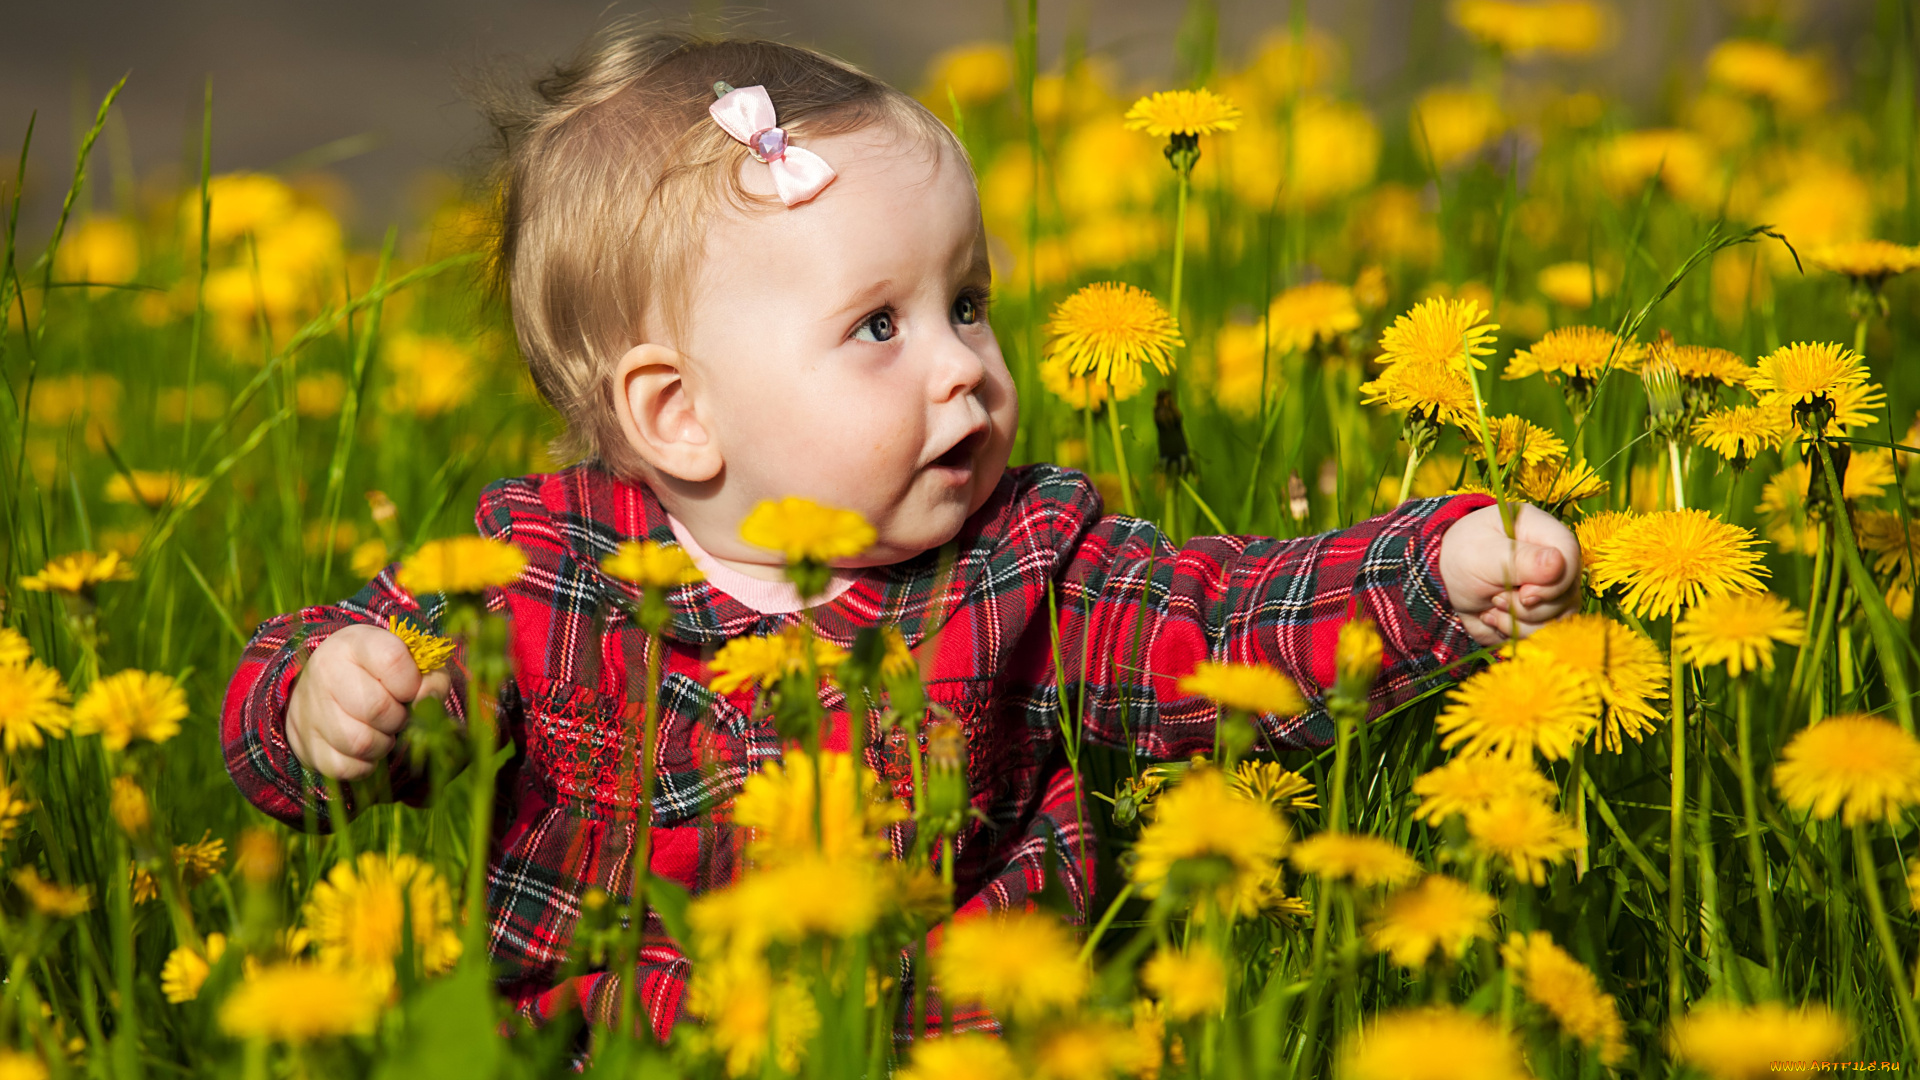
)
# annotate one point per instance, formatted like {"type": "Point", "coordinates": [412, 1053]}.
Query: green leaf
{"type": "Point", "coordinates": [450, 1030]}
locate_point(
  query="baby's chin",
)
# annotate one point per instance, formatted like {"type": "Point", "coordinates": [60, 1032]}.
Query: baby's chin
{"type": "Point", "coordinates": [902, 540]}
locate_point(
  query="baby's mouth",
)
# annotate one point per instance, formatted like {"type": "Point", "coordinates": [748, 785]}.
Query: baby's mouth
{"type": "Point", "coordinates": [961, 456]}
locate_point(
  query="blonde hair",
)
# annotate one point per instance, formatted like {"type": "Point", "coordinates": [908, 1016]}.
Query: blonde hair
{"type": "Point", "coordinates": [605, 178]}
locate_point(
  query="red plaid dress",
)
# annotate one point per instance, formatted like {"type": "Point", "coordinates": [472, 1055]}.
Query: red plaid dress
{"type": "Point", "coordinates": [1134, 614]}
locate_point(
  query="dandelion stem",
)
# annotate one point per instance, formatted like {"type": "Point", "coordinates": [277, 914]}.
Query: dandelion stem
{"type": "Point", "coordinates": [1406, 475]}
{"type": "Point", "coordinates": [1679, 480]}
{"type": "Point", "coordinates": [1756, 856]}
{"type": "Point", "coordinates": [1676, 835]}
{"type": "Point", "coordinates": [1863, 865]}
{"type": "Point", "coordinates": [1120, 456]}
{"type": "Point", "coordinates": [1893, 657]}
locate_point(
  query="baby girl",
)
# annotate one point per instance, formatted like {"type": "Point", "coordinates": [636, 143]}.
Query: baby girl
{"type": "Point", "coordinates": [781, 291]}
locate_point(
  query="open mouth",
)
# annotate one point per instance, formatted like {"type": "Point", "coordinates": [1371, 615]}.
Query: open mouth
{"type": "Point", "coordinates": [961, 455]}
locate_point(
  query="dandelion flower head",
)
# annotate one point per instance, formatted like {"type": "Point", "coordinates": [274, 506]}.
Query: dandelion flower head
{"type": "Point", "coordinates": [357, 913]}
{"type": "Point", "coordinates": [1271, 784]}
{"type": "Point", "coordinates": [1670, 559]}
{"type": "Point", "coordinates": [50, 898]}
{"type": "Point", "coordinates": [1182, 112]}
{"type": "Point", "coordinates": [1440, 914]}
{"type": "Point", "coordinates": [1366, 861]}
{"type": "Point", "coordinates": [1439, 331]}
{"type": "Point", "coordinates": [1574, 285]}
{"type": "Point", "coordinates": [1188, 984]}
{"type": "Point", "coordinates": [1526, 704]}
{"type": "Point", "coordinates": [805, 531]}
{"type": "Point", "coordinates": [1254, 688]}
{"type": "Point", "coordinates": [1527, 834]}
{"type": "Point", "coordinates": [962, 1057]}
{"type": "Point", "coordinates": [1521, 28]}
{"type": "Point", "coordinates": [1868, 261]}
{"type": "Point", "coordinates": [1575, 352]}
{"type": "Point", "coordinates": [1024, 964]}
{"type": "Point", "coordinates": [1471, 781]}
{"type": "Point", "coordinates": [430, 652]}
{"type": "Point", "coordinates": [1746, 1042]}
{"type": "Point", "coordinates": [1624, 667]}
{"type": "Point", "coordinates": [131, 705]}
{"type": "Point", "coordinates": [1317, 311]}
{"type": "Point", "coordinates": [767, 659]}
{"type": "Point", "coordinates": [78, 572]}
{"type": "Point", "coordinates": [33, 705]}
{"type": "Point", "coordinates": [1805, 372]}
{"type": "Point", "coordinates": [1738, 630]}
{"type": "Point", "coordinates": [1739, 432]}
{"type": "Point", "coordinates": [299, 1001]}
{"type": "Point", "coordinates": [652, 565]}
{"type": "Point", "coordinates": [461, 564]}
{"type": "Point", "coordinates": [186, 969]}
{"type": "Point", "coordinates": [780, 804]}
{"type": "Point", "coordinates": [1862, 767]}
{"type": "Point", "coordinates": [1439, 392]}
{"type": "Point", "coordinates": [1567, 989]}
{"type": "Point", "coordinates": [1109, 330]}
{"type": "Point", "coordinates": [1203, 820]}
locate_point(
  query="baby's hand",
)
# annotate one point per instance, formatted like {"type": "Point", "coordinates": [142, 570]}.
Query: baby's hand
{"type": "Point", "coordinates": [1479, 565]}
{"type": "Point", "coordinates": [350, 702]}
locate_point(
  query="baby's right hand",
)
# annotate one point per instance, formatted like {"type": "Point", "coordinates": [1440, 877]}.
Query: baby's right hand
{"type": "Point", "coordinates": [350, 702]}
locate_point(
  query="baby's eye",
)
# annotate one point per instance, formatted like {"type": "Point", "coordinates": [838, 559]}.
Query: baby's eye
{"type": "Point", "coordinates": [876, 327]}
{"type": "Point", "coordinates": [969, 309]}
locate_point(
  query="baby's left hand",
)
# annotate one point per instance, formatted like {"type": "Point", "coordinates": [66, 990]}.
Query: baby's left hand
{"type": "Point", "coordinates": [1479, 564]}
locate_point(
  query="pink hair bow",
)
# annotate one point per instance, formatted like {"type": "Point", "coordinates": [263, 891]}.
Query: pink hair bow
{"type": "Point", "coordinates": [747, 114]}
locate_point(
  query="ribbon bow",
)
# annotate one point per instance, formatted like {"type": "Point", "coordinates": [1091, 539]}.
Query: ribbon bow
{"type": "Point", "coordinates": [746, 114]}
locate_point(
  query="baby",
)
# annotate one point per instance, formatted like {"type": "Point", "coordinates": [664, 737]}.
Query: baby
{"type": "Point", "coordinates": [725, 314]}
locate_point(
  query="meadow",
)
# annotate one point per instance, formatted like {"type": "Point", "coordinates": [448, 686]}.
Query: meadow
{"type": "Point", "coordinates": [1664, 837]}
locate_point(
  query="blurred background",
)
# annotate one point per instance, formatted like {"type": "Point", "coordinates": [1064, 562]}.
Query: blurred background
{"type": "Point", "coordinates": [366, 90]}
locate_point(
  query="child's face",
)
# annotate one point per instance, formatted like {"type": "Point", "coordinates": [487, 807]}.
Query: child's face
{"type": "Point", "coordinates": [840, 349]}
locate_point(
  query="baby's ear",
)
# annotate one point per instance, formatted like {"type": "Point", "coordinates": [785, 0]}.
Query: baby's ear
{"type": "Point", "coordinates": [655, 408]}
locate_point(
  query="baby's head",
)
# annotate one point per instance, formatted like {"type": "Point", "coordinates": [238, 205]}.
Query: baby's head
{"type": "Point", "coordinates": [697, 333]}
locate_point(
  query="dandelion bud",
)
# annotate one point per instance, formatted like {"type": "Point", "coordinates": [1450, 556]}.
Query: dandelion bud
{"type": "Point", "coordinates": [945, 800]}
{"type": "Point", "coordinates": [129, 807]}
{"type": "Point", "coordinates": [1666, 408]}
{"type": "Point", "coordinates": [1174, 458]}
{"type": "Point", "coordinates": [1356, 658]}
{"type": "Point", "coordinates": [259, 857]}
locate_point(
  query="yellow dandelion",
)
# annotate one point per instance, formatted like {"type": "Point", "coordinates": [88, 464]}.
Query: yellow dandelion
{"type": "Point", "coordinates": [1738, 630]}
{"type": "Point", "coordinates": [1085, 1048]}
{"type": "Point", "coordinates": [1202, 819]}
{"type": "Point", "coordinates": [1450, 333]}
{"type": "Point", "coordinates": [1318, 311]}
{"type": "Point", "coordinates": [14, 805]}
{"type": "Point", "coordinates": [962, 1057]}
{"type": "Point", "coordinates": [1794, 84]}
{"type": "Point", "coordinates": [201, 860]}
{"type": "Point", "coordinates": [781, 803]}
{"type": "Point", "coordinates": [765, 660]}
{"type": "Point", "coordinates": [1595, 534]}
{"type": "Point", "coordinates": [357, 914]}
{"type": "Point", "coordinates": [131, 705]}
{"type": "Point", "coordinates": [1893, 540]}
{"type": "Point", "coordinates": [1623, 666]}
{"type": "Point", "coordinates": [805, 531]}
{"type": "Point", "coordinates": [22, 1065]}
{"type": "Point", "coordinates": [297, 1002]}
{"type": "Point", "coordinates": [429, 651]}
{"type": "Point", "coordinates": [1451, 123]}
{"type": "Point", "coordinates": [1867, 262]}
{"type": "Point", "coordinates": [1023, 965]}
{"type": "Point", "coordinates": [1254, 688]}
{"type": "Point", "coordinates": [1357, 653]}
{"type": "Point", "coordinates": [369, 558]}
{"type": "Point", "coordinates": [805, 896]}
{"type": "Point", "coordinates": [1437, 392]}
{"type": "Point", "coordinates": [1091, 391]}
{"type": "Point", "coordinates": [461, 564]}
{"type": "Point", "coordinates": [1521, 28]}
{"type": "Point", "coordinates": [1739, 432]}
{"type": "Point", "coordinates": [1188, 984]}
{"type": "Point", "coordinates": [51, 898]}
{"type": "Point", "coordinates": [1471, 782]}
{"type": "Point", "coordinates": [1515, 437]}
{"type": "Point", "coordinates": [1514, 708]}
{"type": "Point", "coordinates": [1271, 784]}
{"type": "Point", "coordinates": [186, 969]}
{"type": "Point", "coordinates": [1853, 407]}
{"type": "Point", "coordinates": [1441, 914]}
{"type": "Point", "coordinates": [1366, 861]}
{"type": "Point", "coordinates": [1703, 364]}
{"type": "Point", "coordinates": [14, 648]}
{"type": "Point", "coordinates": [1431, 1044]}
{"type": "Point", "coordinates": [1574, 284]}
{"type": "Point", "coordinates": [1864, 765]}
{"type": "Point", "coordinates": [1747, 1042]}
{"type": "Point", "coordinates": [78, 573]}
{"type": "Point", "coordinates": [1567, 989]}
{"type": "Point", "coordinates": [1673, 558]}
{"type": "Point", "coordinates": [127, 805]}
{"type": "Point", "coordinates": [746, 1012]}
{"type": "Point", "coordinates": [1527, 834]}
{"type": "Point", "coordinates": [1109, 329]}
{"type": "Point", "coordinates": [33, 705]}
{"type": "Point", "coordinates": [1581, 353]}
{"type": "Point", "coordinates": [975, 73]}
{"type": "Point", "coordinates": [155, 490]}
{"type": "Point", "coordinates": [652, 565]}
{"type": "Point", "coordinates": [1806, 373]}
{"type": "Point", "coordinates": [1554, 483]}
{"type": "Point", "coordinates": [1182, 112]}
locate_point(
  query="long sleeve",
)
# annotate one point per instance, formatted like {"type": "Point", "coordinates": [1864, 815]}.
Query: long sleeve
{"type": "Point", "coordinates": [253, 718]}
{"type": "Point", "coordinates": [1137, 613]}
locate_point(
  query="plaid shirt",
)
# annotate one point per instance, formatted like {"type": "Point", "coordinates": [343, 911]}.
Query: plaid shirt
{"type": "Point", "coordinates": [1134, 614]}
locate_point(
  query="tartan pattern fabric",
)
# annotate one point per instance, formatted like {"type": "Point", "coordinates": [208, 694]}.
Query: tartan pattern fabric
{"type": "Point", "coordinates": [1042, 604]}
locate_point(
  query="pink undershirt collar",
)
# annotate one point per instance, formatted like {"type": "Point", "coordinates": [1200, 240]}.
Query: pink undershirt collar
{"type": "Point", "coordinates": [766, 597]}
